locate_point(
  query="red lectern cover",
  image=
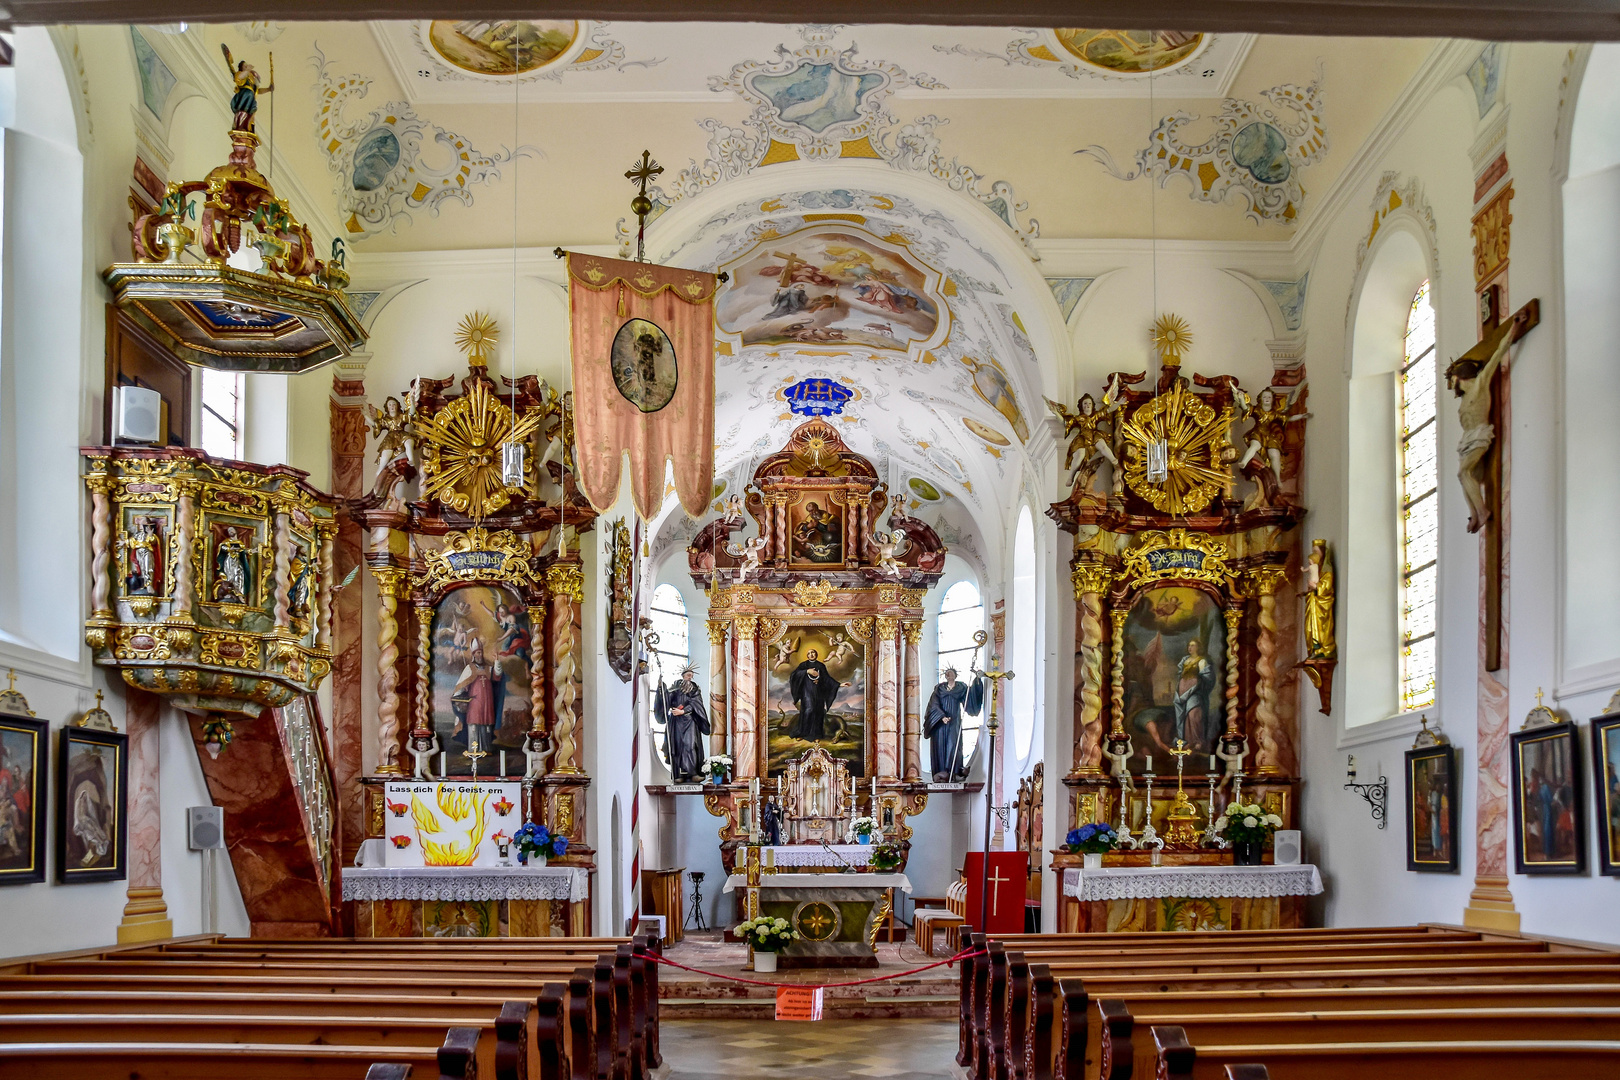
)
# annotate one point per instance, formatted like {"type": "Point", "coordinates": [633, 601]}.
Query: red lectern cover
{"type": "Point", "coordinates": [1001, 892]}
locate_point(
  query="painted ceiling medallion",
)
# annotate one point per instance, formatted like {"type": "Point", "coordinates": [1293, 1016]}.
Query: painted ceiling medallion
{"type": "Point", "coordinates": [1130, 52]}
{"type": "Point", "coordinates": [1255, 152]}
{"type": "Point", "coordinates": [493, 47]}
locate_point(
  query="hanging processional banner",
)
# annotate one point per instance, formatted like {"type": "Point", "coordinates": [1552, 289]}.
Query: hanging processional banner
{"type": "Point", "coordinates": [643, 350]}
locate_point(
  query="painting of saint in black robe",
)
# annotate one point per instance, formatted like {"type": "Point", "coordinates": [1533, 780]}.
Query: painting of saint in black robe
{"type": "Point", "coordinates": [686, 722]}
{"type": "Point", "coordinates": [814, 690]}
{"type": "Point", "coordinates": [942, 723]}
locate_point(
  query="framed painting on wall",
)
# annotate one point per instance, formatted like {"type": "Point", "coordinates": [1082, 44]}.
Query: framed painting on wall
{"type": "Point", "coordinates": [1431, 809]}
{"type": "Point", "coordinates": [1606, 775]}
{"type": "Point", "coordinates": [24, 761]}
{"type": "Point", "coordinates": [815, 695]}
{"type": "Point", "coordinates": [1549, 833]}
{"type": "Point", "coordinates": [92, 794]}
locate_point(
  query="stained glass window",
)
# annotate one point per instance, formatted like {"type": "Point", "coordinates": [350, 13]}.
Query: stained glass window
{"type": "Point", "coordinates": [1420, 516]}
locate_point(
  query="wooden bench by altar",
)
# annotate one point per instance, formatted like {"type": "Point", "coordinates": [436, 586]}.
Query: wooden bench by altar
{"type": "Point", "coordinates": [469, 901]}
{"type": "Point", "coordinates": [1116, 899]}
{"type": "Point", "coordinates": [838, 916]}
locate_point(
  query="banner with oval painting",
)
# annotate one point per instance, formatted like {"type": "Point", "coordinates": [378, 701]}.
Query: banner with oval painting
{"type": "Point", "coordinates": [644, 365]}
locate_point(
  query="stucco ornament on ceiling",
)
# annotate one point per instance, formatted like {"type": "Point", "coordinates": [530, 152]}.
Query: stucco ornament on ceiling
{"type": "Point", "coordinates": [820, 102]}
{"type": "Point", "coordinates": [1256, 153]}
{"type": "Point", "coordinates": [390, 161]}
{"type": "Point", "coordinates": [1096, 54]}
{"type": "Point", "coordinates": [488, 50]}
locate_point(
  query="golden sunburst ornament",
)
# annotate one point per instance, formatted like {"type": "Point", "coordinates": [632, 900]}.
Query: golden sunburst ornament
{"type": "Point", "coordinates": [1195, 439]}
{"type": "Point", "coordinates": [1171, 336]}
{"type": "Point", "coordinates": [461, 450]}
{"type": "Point", "coordinates": [476, 336]}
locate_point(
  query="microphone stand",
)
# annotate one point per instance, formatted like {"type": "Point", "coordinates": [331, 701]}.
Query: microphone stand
{"type": "Point", "coordinates": [848, 869]}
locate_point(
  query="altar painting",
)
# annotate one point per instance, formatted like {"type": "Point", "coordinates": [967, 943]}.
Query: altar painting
{"type": "Point", "coordinates": [833, 286]}
{"type": "Point", "coordinates": [1175, 648]}
{"type": "Point", "coordinates": [831, 712]}
{"type": "Point", "coordinates": [816, 532]}
{"type": "Point", "coordinates": [480, 682]}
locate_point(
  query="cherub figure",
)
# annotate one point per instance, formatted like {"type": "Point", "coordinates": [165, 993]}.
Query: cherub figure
{"type": "Point", "coordinates": [537, 751]}
{"type": "Point", "coordinates": [1087, 424]}
{"type": "Point", "coordinates": [392, 428]}
{"type": "Point", "coordinates": [751, 552]}
{"type": "Point", "coordinates": [841, 647]}
{"type": "Point", "coordinates": [423, 749]}
{"type": "Point", "coordinates": [245, 98]}
{"type": "Point", "coordinates": [889, 549]}
{"type": "Point", "coordinates": [1119, 767]}
{"type": "Point", "coordinates": [782, 652]}
{"type": "Point", "coordinates": [1271, 415]}
{"type": "Point", "coordinates": [1233, 756]}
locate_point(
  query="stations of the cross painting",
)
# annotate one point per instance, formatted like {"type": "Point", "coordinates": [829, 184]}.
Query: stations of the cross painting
{"type": "Point", "coordinates": [1477, 379]}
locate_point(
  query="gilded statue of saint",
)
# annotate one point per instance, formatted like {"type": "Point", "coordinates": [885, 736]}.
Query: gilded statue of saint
{"type": "Point", "coordinates": [1319, 640]}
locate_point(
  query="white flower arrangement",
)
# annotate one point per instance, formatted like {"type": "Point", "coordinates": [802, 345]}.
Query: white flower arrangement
{"type": "Point", "coordinates": [863, 824]}
{"type": "Point", "coordinates": [767, 933]}
{"type": "Point", "coordinates": [717, 765]}
{"type": "Point", "coordinates": [1242, 822]}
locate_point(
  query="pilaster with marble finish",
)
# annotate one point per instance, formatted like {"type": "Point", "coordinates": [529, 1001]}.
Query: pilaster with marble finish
{"type": "Point", "coordinates": [887, 713]}
{"type": "Point", "coordinates": [912, 748]}
{"type": "Point", "coordinates": [347, 425]}
{"type": "Point", "coordinates": [745, 668]}
{"type": "Point", "coordinates": [719, 727]}
{"type": "Point", "coordinates": [146, 915]}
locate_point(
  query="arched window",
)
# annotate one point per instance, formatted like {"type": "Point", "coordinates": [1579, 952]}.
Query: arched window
{"type": "Point", "coordinates": [671, 654]}
{"type": "Point", "coordinates": [1419, 505]}
{"type": "Point", "coordinates": [960, 615]}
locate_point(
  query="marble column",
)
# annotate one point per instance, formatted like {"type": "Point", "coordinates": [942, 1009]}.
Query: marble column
{"type": "Point", "coordinates": [912, 759]}
{"type": "Point", "coordinates": [347, 422]}
{"type": "Point", "coordinates": [566, 587]}
{"type": "Point", "coordinates": [1234, 680]}
{"type": "Point", "coordinates": [390, 584]}
{"type": "Point", "coordinates": [185, 532]}
{"type": "Point", "coordinates": [282, 573]}
{"type": "Point", "coordinates": [146, 916]}
{"type": "Point", "coordinates": [718, 728]}
{"type": "Point", "coordinates": [744, 737]}
{"type": "Point", "coordinates": [1274, 750]}
{"type": "Point", "coordinates": [1091, 582]}
{"type": "Point", "coordinates": [886, 767]}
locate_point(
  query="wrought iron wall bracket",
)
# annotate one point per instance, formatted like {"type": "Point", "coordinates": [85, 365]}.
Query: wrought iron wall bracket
{"type": "Point", "coordinates": [1377, 796]}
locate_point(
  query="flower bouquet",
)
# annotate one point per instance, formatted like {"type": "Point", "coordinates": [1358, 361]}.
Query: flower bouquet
{"type": "Point", "coordinates": [538, 843]}
{"type": "Point", "coordinates": [717, 765]}
{"type": "Point", "coordinates": [768, 936]}
{"type": "Point", "coordinates": [887, 857]}
{"type": "Point", "coordinates": [1093, 841]}
{"type": "Point", "coordinates": [1246, 826]}
{"type": "Point", "coordinates": [862, 829]}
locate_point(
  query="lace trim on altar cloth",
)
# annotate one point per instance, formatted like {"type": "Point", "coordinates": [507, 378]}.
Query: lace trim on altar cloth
{"type": "Point", "coordinates": [434, 883]}
{"type": "Point", "coordinates": [1159, 882]}
{"type": "Point", "coordinates": [816, 855]}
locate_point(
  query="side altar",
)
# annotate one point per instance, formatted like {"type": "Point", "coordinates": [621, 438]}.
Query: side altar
{"type": "Point", "coordinates": [1187, 567]}
{"type": "Point", "coordinates": [814, 626]}
{"type": "Point", "coordinates": [472, 536]}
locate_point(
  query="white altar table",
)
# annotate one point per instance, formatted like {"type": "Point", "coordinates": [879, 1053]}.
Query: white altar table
{"type": "Point", "coordinates": [570, 883]}
{"type": "Point", "coordinates": [1133, 898]}
{"type": "Point", "coordinates": [833, 855]}
{"type": "Point", "coordinates": [469, 901]}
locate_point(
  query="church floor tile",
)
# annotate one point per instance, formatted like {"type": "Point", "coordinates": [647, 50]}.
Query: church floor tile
{"type": "Point", "coordinates": [757, 1049]}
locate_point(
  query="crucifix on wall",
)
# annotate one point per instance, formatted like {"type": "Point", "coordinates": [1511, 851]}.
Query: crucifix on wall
{"type": "Point", "coordinates": [1476, 378]}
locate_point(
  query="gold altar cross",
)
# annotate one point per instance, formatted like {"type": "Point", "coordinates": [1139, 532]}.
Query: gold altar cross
{"type": "Point", "coordinates": [815, 921]}
{"type": "Point", "coordinates": [644, 170]}
{"type": "Point", "coordinates": [995, 894]}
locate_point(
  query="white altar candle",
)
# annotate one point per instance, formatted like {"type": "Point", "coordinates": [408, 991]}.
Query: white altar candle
{"type": "Point", "coordinates": [1147, 763]}
{"type": "Point", "coordinates": [503, 762]}
{"type": "Point", "coordinates": [1212, 763]}
{"type": "Point", "coordinates": [444, 763]}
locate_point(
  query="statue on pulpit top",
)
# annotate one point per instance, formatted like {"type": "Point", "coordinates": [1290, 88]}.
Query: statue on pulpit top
{"type": "Point", "coordinates": [686, 719]}
{"type": "Point", "coordinates": [942, 723]}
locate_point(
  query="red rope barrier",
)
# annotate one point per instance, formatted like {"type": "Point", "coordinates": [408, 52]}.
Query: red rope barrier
{"type": "Point", "coordinates": [965, 954]}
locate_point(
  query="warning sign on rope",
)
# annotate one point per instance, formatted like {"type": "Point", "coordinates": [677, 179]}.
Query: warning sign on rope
{"type": "Point", "coordinates": [798, 1002]}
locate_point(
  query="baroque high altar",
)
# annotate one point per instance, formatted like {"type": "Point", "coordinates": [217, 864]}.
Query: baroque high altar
{"type": "Point", "coordinates": [832, 583]}
{"type": "Point", "coordinates": [1186, 603]}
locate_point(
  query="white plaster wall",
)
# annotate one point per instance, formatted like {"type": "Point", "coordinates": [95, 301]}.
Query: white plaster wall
{"type": "Point", "coordinates": [608, 724]}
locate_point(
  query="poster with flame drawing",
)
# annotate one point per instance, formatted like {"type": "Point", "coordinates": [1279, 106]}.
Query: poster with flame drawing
{"type": "Point", "coordinates": [450, 823]}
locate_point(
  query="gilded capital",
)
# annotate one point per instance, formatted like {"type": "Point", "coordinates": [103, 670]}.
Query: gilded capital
{"type": "Point", "coordinates": [887, 627]}
{"type": "Point", "coordinates": [913, 630]}
{"type": "Point", "coordinates": [1093, 578]}
{"type": "Point", "coordinates": [912, 597]}
{"type": "Point", "coordinates": [565, 580]}
{"type": "Point", "coordinates": [717, 631]}
{"type": "Point", "coordinates": [391, 581]}
{"type": "Point", "coordinates": [1268, 579]}
{"type": "Point", "coordinates": [746, 625]}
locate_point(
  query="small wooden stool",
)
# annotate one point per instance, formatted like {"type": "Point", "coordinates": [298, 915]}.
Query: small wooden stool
{"type": "Point", "coordinates": [926, 921]}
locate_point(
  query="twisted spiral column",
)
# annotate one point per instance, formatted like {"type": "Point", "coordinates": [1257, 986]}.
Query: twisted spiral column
{"type": "Point", "coordinates": [1116, 682]}
{"type": "Point", "coordinates": [101, 545]}
{"type": "Point", "coordinates": [390, 583]}
{"type": "Point", "coordinates": [1272, 753]}
{"type": "Point", "coordinates": [323, 595]}
{"type": "Point", "coordinates": [566, 586]}
{"type": "Point", "coordinates": [283, 571]}
{"type": "Point", "coordinates": [424, 671]}
{"type": "Point", "coordinates": [1234, 712]}
{"type": "Point", "coordinates": [537, 671]}
{"type": "Point", "coordinates": [185, 582]}
{"type": "Point", "coordinates": [1090, 583]}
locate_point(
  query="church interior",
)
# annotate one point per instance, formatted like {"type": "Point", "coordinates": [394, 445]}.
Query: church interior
{"type": "Point", "coordinates": [990, 534]}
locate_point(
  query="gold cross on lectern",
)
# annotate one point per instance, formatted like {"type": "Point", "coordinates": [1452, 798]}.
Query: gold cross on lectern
{"type": "Point", "coordinates": [995, 894]}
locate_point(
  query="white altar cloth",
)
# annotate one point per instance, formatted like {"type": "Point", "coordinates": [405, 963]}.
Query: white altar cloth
{"type": "Point", "coordinates": [816, 855]}
{"type": "Point", "coordinates": [822, 881]}
{"type": "Point", "coordinates": [571, 883]}
{"type": "Point", "coordinates": [1157, 882]}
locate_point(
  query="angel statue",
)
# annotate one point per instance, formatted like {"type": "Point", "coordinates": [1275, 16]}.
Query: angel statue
{"type": "Point", "coordinates": [392, 428]}
{"type": "Point", "coordinates": [751, 552]}
{"type": "Point", "coordinates": [424, 748]}
{"type": "Point", "coordinates": [889, 549]}
{"type": "Point", "coordinates": [1270, 413]}
{"type": "Point", "coordinates": [245, 99]}
{"type": "Point", "coordinates": [1119, 759]}
{"type": "Point", "coordinates": [1090, 442]}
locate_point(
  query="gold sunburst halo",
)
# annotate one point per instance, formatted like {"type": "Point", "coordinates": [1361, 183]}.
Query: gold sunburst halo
{"type": "Point", "coordinates": [476, 336]}
{"type": "Point", "coordinates": [1196, 438]}
{"type": "Point", "coordinates": [461, 456]}
{"type": "Point", "coordinates": [1171, 336]}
